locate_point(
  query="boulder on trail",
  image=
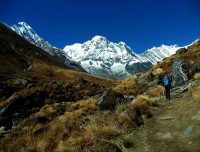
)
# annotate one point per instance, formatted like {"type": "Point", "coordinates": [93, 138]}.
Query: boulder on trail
{"type": "Point", "coordinates": [110, 99]}
{"type": "Point", "coordinates": [180, 73]}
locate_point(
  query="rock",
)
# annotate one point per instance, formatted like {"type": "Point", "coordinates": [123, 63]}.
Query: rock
{"type": "Point", "coordinates": [81, 81]}
{"type": "Point", "coordinates": [164, 136]}
{"type": "Point", "coordinates": [138, 67]}
{"type": "Point", "coordinates": [189, 87]}
{"type": "Point", "coordinates": [21, 105]}
{"type": "Point", "coordinates": [109, 100]}
{"type": "Point", "coordinates": [124, 114]}
{"type": "Point", "coordinates": [22, 82]}
{"type": "Point", "coordinates": [159, 79]}
{"type": "Point", "coordinates": [166, 118]}
{"type": "Point", "coordinates": [140, 121]}
{"type": "Point", "coordinates": [188, 130]}
{"type": "Point", "coordinates": [196, 117]}
{"type": "Point", "coordinates": [184, 89]}
{"type": "Point", "coordinates": [32, 121]}
{"type": "Point", "coordinates": [167, 136]}
{"type": "Point", "coordinates": [180, 72]}
{"type": "Point", "coordinates": [129, 97]}
{"type": "Point", "coordinates": [2, 129]}
{"type": "Point", "coordinates": [16, 121]}
{"type": "Point", "coordinates": [3, 110]}
{"type": "Point", "coordinates": [181, 50]}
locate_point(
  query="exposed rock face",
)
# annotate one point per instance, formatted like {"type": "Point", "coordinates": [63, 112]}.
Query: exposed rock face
{"type": "Point", "coordinates": [181, 50]}
{"type": "Point", "coordinates": [180, 72]}
{"type": "Point", "coordinates": [109, 100]}
{"type": "Point", "coordinates": [138, 67]}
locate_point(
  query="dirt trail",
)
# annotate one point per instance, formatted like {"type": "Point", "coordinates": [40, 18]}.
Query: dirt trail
{"type": "Point", "coordinates": [174, 127]}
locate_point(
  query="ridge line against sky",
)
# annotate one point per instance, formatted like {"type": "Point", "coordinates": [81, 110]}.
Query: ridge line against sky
{"type": "Point", "coordinates": [140, 24]}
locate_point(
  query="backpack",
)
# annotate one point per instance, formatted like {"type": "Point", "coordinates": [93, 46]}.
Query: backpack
{"type": "Point", "coordinates": [166, 81]}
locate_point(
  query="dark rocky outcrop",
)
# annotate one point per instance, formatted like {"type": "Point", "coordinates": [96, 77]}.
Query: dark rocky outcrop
{"type": "Point", "coordinates": [109, 100]}
{"type": "Point", "coordinates": [196, 67]}
{"type": "Point", "coordinates": [180, 72]}
{"type": "Point", "coordinates": [21, 106]}
{"type": "Point", "coordinates": [181, 50]}
{"type": "Point", "coordinates": [138, 67]}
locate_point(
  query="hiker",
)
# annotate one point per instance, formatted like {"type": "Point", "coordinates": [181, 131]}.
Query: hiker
{"type": "Point", "coordinates": [167, 85]}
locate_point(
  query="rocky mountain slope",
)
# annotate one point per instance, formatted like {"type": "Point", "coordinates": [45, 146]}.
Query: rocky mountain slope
{"type": "Point", "coordinates": [101, 57]}
{"type": "Point", "coordinates": [24, 30]}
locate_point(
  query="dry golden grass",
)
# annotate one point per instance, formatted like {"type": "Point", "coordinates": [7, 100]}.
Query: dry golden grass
{"type": "Point", "coordinates": [141, 99]}
{"type": "Point", "coordinates": [69, 75]}
{"type": "Point", "coordinates": [42, 145]}
{"type": "Point", "coordinates": [128, 87]}
{"type": "Point", "coordinates": [82, 128]}
{"type": "Point", "coordinates": [142, 105]}
{"type": "Point", "coordinates": [102, 133]}
{"type": "Point", "coordinates": [48, 110]}
{"type": "Point", "coordinates": [89, 105]}
{"type": "Point", "coordinates": [196, 94]}
{"type": "Point", "coordinates": [156, 91]}
{"type": "Point", "coordinates": [197, 76]}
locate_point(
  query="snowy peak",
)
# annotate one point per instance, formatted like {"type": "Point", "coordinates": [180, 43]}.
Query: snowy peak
{"type": "Point", "coordinates": [100, 47]}
{"type": "Point", "coordinates": [99, 38]}
{"type": "Point", "coordinates": [102, 57]}
{"type": "Point", "coordinates": [157, 54]}
{"type": "Point", "coordinates": [23, 29]}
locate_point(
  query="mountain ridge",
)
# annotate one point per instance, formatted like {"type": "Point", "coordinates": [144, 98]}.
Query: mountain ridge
{"type": "Point", "coordinates": [99, 56]}
{"type": "Point", "coordinates": [115, 59]}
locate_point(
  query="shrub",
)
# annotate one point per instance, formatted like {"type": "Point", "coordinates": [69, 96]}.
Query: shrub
{"type": "Point", "coordinates": [195, 93]}
{"type": "Point", "coordinates": [197, 76]}
{"type": "Point", "coordinates": [102, 133]}
{"type": "Point", "coordinates": [142, 105]}
{"type": "Point", "coordinates": [128, 87]}
{"type": "Point", "coordinates": [156, 91]}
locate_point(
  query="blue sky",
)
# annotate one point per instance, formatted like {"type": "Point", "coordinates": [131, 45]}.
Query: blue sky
{"type": "Point", "coordinates": [141, 24]}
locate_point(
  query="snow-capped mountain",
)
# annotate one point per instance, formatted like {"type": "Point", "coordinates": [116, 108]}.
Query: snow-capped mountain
{"type": "Point", "coordinates": [157, 54]}
{"type": "Point", "coordinates": [101, 57]}
{"type": "Point", "coordinates": [24, 30]}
